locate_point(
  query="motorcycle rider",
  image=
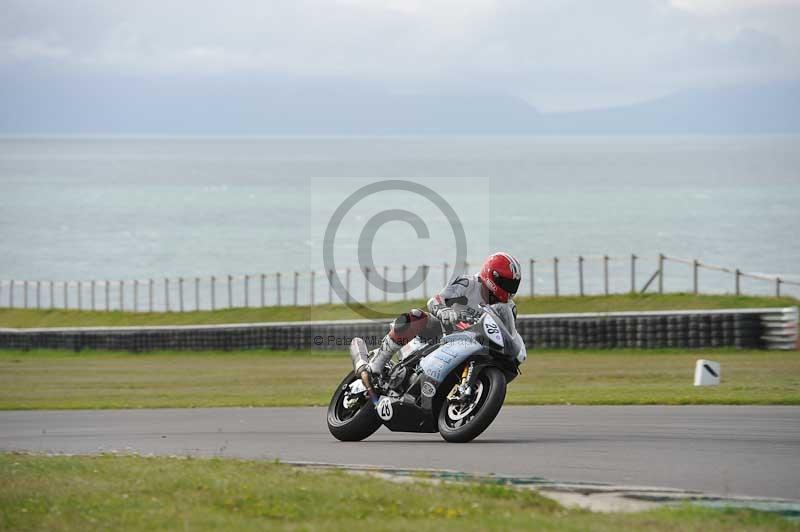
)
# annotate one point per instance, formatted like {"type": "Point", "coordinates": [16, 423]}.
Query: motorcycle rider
{"type": "Point", "coordinates": [497, 282]}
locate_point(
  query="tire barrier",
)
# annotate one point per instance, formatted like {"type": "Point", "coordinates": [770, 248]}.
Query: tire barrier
{"type": "Point", "coordinates": [773, 328]}
{"type": "Point", "coordinates": [646, 330]}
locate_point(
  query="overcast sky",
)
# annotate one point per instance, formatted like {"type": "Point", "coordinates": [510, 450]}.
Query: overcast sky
{"type": "Point", "coordinates": [557, 55]}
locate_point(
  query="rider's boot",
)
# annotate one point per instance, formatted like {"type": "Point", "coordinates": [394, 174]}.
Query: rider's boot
{"type": "Point", "coordinates": [382, 356]}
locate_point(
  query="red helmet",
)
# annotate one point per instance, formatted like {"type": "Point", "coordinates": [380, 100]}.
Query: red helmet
{"type": "Point", "coordinates": [501, 274]}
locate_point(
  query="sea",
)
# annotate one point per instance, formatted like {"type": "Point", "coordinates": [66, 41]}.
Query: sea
{"type": "Point", "coordinates": [152, 208]}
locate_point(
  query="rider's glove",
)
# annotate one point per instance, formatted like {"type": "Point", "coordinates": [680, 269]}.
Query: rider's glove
{"type": "Point", "coordinates": [448, 317]}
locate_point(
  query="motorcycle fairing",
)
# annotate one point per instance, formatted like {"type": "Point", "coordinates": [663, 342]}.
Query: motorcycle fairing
{"type": "Point", "coordinates": [437, 365]}
{"type": "Point", "coordinates": [408, 417]}
{"type": "Point", "coordinates": [456, 349]}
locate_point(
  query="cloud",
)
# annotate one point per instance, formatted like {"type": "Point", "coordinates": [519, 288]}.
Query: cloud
{"type": "Point", "coordinates": [555, 54]}
{"type": "Point", "coordinates": [715, 7]}
{"type": "Point", "coordinates": [30, 48]}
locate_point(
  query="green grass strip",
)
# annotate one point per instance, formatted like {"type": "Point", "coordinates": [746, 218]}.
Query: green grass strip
{"type": "Point", "coordinates": [27, 318]}
{"type": "Point", "coordinates": [136, 493]}
{"type": "Point", "coordinates": [68, 380]}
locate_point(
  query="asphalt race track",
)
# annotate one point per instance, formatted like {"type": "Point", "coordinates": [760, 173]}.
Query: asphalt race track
{"type": "Point", "coordinates": [725, 450]}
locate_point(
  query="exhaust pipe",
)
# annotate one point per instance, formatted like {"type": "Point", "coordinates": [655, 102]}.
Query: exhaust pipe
{"type": "Point", "coordinates": [360, 356]}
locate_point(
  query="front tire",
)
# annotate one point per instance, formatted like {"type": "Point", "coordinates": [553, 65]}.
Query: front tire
{"type": "Point", "coordinates": [457, 429]}
{"type": "Point", "coordinates": [353, 424]}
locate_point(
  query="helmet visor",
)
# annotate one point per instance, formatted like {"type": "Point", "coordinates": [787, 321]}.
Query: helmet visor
{"type": "Point", "coordinates": [509, 285]}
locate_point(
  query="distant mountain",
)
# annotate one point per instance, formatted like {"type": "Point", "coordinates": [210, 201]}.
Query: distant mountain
{"type": "Point", "coordinates": [128, 105]}
{"type": "Point", "coordinates": [734, 110]}
{"type": "Point", "coordinates": [68, 104]}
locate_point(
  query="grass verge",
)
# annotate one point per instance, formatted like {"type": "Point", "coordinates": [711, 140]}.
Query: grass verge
{"type": "Point", "coordinates": [67, 380]}
{"type": "Point", "coordinates": [135, 493]}
{"type": "Point", "coordinates": [27, 318]}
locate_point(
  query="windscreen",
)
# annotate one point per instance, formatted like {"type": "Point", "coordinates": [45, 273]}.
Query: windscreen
{"type": "Point", "coordinates": [505, 319]}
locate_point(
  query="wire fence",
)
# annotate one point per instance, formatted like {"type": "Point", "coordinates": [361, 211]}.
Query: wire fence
{"type": "Point", "coordinates": [556, 276]}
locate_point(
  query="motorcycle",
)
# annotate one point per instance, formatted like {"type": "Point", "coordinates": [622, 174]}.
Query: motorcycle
{"type": "Point", "coordinates": [454, 386]}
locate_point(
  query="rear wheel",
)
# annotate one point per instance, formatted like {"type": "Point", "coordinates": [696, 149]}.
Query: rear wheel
{"type": "Point", "coordinates": [351, 418]}
{"type": "Point", "coordinates": [461, 422]}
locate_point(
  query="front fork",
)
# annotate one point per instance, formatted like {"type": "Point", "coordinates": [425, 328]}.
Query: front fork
{"type": "Point", "coordinates": [464, 389]}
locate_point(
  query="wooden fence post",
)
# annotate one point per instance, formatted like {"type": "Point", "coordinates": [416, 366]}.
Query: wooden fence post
{"type": "Point", "coordinates": [605, 274]}
{"type": "Point", "coordinates": [385, 283]}
{"type": "Point", "coordinates": [425, 281]}
{"type": "Point", "coordinates": [347, 285]}
{"type": "Point", "coordinates": [695, 268]}
{"type": "Point", "coordinates": [212, 289]}
{"type": "Point", "coordinates": [263, 289]}
{"type": "Point", "coordinates": [738, 275]}
{"type": "Point", "coordinates": [555, 275]}
{"type": "Point", "coordinates": [530, 274]}
{"type": "Point", "coordinates": [166, 294]}
{"type": "Point", "coordinates": [633, 273]}
{"type": "Point", "coordinates": [580, 275]}
{"type": "Point", "coordinates": [230, 291]}
{"type": "Point", "coordinates": [405, 286]}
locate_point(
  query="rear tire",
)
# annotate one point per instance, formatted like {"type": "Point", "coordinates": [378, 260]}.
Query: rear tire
{"type": "Point", "coordinates": [488, 406]}
{"type": "Point", "coordinates": [345, 425]}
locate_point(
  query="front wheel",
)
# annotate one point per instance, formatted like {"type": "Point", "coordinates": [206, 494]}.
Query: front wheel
{"type": "Point", "coordinates": [351, 419]}
{"type": "Point", "coordinates": [461, 422]}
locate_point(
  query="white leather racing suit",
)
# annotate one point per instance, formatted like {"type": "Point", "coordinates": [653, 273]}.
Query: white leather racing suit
{"type": "Point", "coordinates": [464, 291]}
